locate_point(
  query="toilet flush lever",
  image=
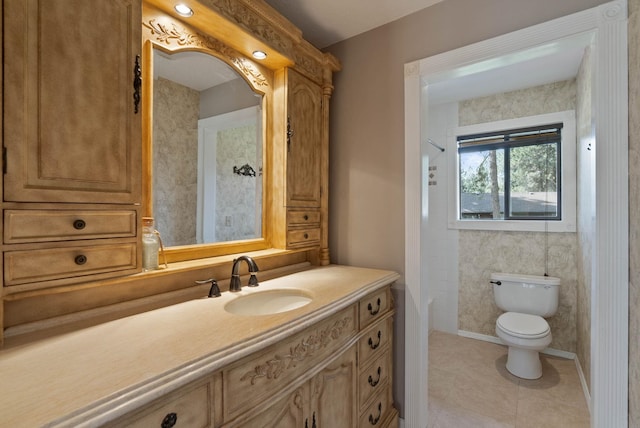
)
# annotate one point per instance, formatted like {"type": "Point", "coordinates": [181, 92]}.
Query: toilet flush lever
{"type": "Point", "coordinates": [496, 282]}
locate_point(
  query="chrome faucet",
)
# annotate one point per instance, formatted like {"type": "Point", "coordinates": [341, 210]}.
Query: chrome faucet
{"type": "Point", "coordinates": [235, 285]}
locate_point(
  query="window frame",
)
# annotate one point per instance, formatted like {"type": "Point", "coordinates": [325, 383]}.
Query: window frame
{"type": "Point", "coordinates": [509, 140]}
{"type": "Point", "coordinates": [567, 155]}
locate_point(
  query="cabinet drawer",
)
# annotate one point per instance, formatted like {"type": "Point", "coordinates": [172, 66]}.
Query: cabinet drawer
{"type": "Point", "coordinates": [377, 412]}
{"type": "Point", "coordinates": [26, 266]}
{"type": "Point", "coordinates": [374, 306]}
{"type": "Point", "coordinates": [40, 226]}
{"type": "Point", "coordinates": [303, 218]}
{"type": "Point", "coordinates": [303, 237]}
{"type": "Point", "coordinates": [373, 378]}
{"type": "Point", "coordinates": [261, 375]}
{"type": "Point", "coordinates": [375, 340]}
{"type": "Point", "coordinates": [189, 407]}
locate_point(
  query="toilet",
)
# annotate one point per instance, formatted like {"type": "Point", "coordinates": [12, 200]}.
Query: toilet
{"type": "Point", "coordinates": [527, 300]}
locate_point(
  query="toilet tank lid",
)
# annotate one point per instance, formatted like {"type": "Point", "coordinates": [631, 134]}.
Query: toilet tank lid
{"type": "Point", "coordinates": [530, 279]}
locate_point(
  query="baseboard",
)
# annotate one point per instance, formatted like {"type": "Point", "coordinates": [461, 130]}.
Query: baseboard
{"type": "Point", "coordinates": [583, 382]}
{"type": "Point", "coordinates": [493, 339]}
{"type": "Point", "coordinates": [400, 423]}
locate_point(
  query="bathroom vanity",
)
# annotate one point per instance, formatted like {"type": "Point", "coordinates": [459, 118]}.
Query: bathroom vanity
{"type": "Point", "coordinates": [89, 339]}
{"type": "Point", "coordinates": [327, 363]}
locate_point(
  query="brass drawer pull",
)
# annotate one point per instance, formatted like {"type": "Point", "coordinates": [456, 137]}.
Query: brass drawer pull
{"type": "Point", "coordinates": [372, 382]}
{"type": "Point", "coordinates": [306, 217]}
{"type": "Point", "coordinates": [373, 312]}
{"type": "Point", "coordinates": [372, 345]}
{"type": "Point", "coordinates": [373, 421]}
{"type": "Point", "coordinates": [80, 259]}
{"type": "Point", "coordinates": [79, 224]}
{"type": "Point", "coordinates": [169, 420]}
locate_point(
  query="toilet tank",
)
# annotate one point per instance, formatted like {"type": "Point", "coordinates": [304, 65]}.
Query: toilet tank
{"type": "Point", "coordinates": [528, 294]}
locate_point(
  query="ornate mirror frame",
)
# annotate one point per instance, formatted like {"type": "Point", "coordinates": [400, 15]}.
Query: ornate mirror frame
{"type": "Point", "coordinates": [169, 34]}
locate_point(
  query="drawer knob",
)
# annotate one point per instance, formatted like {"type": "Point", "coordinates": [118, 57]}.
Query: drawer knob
{"type": "Point", "coordinates": [372, 345]}
{"type": "Point", "coordinates": [375, 311]}
{"type": "Point", "coordinates": [374, 421]}
{"type": "Point", "coordinates": [81, 259]}
{"type": "Point", "coordinates": [79, 224]}
{"type": "Point", "coordinates": [306, 236]}
{"type": "Point", "coordinates": [306, 217]}
{"type": "Point", "coordinates": [372, 382]}
{"type": "Point", "coordinates": [169, 420]}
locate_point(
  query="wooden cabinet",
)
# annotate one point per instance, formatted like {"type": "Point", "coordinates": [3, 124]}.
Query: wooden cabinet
{"type": "Point", "coordinates": [304, 141]}
{"type": "Point", "coordinates": [72, 141]}
{"type": "Point", "coordinates": [330, 375]}
{"type": "Point", "coordinates": [375, 364]}
{"type": "Point", "coordinates": [303, 228]}
{"type": "Point", "coordinates": [327, 400]}
{"type": "Point", "coordinates": [333, 393]}
{"type": "Point", "coordinates": [300, 143]}
{"type": "Point", "coordinates": [71, 127]}
{"type": "Point", "coordinates": [189, 406]}
{"type": "Point", "coordinates": [260, 376]}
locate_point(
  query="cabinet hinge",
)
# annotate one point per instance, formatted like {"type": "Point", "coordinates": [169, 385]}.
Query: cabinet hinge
{"type": "Point", "coordinates": [4, 160]}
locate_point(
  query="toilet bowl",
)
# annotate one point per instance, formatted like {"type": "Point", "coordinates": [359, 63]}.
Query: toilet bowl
{"type": "Point", "coordinates": [525, 335]}
{"type": "Point", "coordinates": [527, 299]}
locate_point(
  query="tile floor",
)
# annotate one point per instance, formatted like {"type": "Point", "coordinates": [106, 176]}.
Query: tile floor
{"type": "Point", "coordinates": [469, 386]}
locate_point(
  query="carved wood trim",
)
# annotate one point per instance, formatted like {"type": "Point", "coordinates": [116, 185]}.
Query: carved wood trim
{"type": "Point", "coordinates": [307, 347]}
{"type": "Point", "coordinates": [170, 33]}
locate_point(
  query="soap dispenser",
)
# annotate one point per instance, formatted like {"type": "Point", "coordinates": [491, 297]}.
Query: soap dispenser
{"type": "Point", "coordinates": [150, 245]}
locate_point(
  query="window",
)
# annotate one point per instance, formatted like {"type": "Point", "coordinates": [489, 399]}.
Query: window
{"type": "Point", "coordinates": [511, 175]}
{"type": "Point", "coordinates": [516, 174]}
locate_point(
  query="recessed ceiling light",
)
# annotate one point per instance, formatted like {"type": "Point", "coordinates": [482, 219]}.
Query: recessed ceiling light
{"type": "Point", "coordinates": [183, 10]}
{"type": "Point", "coordinates": [259, 55]}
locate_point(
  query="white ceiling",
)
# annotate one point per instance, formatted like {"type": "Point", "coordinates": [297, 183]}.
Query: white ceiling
{"type": "Point", "coordinates": [325, 22]}
{"type": "Point", "coordinates": [552, 62]}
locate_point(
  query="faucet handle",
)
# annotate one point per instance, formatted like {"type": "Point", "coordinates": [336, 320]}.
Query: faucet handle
{"type": "Point", "coordinates": [214, 291]}
{"type": "Point", "coordinates": [253, 280]}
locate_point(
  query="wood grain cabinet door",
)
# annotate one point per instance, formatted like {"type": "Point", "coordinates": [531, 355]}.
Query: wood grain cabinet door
{"type": "Point", "coordinates": [286, 413]}
{"type": "Point", "coordinates": [304, 141]}
{"type": "Point", "coordinates": [333, 394]}
{"type": "Point", "coordinates": [71, 131]}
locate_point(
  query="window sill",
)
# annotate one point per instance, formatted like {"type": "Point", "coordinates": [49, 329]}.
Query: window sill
{"type": "Point", "coordinates": [514, 225]}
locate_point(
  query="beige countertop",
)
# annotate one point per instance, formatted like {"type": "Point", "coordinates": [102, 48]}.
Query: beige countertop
{"type": "Point", "coordinates": [90, 376]}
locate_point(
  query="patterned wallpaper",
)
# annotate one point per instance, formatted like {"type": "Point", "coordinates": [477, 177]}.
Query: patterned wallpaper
{"type": "Point", "coordinates": [175, 164]}
{"type": "Point", "coordinates": [585, 214]}
{"type": "Point", "coordinates": [238, 216]}
{"type": "Point", "coordinates": [175, 161]}
{"type": "Point", "coordinates": [483, 252]}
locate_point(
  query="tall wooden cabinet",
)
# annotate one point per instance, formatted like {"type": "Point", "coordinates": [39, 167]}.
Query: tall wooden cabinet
{"type": "Point", "coordinates": [71, 141]}
{"type": "Point", "coordinates": [302, 150]}
{"type": "Point", "coordinates": [304, 141]}
{"type": "Point", "coordinates": [72, 132]}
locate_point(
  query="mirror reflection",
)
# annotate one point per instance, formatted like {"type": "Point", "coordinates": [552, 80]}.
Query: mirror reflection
{"type": "Point", "coordinates": [207, 151]}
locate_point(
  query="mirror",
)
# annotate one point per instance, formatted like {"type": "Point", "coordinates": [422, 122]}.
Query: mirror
{"type": "Point", "coordinates": [207, 151]}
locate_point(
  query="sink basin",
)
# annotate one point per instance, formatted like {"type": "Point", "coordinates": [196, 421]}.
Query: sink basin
{"type": "Point", "coordinates": [268, 302]}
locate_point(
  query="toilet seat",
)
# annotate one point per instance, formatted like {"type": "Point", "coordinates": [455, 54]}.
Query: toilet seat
{"type": "Point", "coordinates": [524, 326]}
